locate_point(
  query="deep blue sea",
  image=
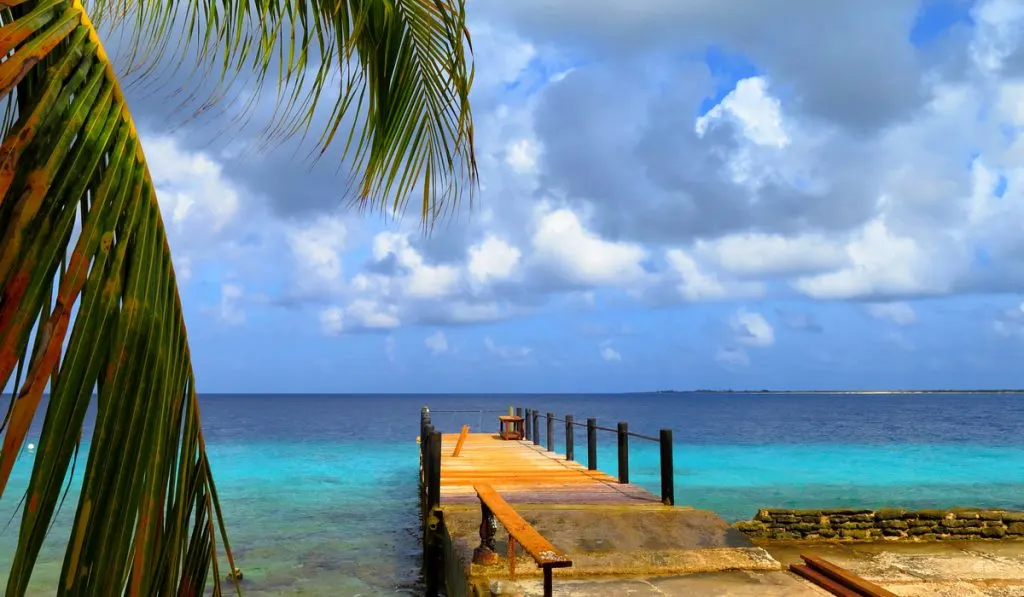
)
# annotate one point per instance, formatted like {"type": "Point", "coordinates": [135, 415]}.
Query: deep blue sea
{"type": "Point", "coordinates": [319, 492]}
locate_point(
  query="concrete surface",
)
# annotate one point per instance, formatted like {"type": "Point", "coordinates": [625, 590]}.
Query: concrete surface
{"type": "Point", "coordinates": [935, 569]}
{"type": "Point", "coordinates": [718, 584]}
{"type": "Point", "coordinates": [621, 541]}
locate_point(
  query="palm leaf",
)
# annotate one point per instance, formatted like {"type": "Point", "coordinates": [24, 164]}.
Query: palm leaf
{"type": "Point", "coordinates": [94, 313]}
{"type": "Point", "coordinates": [148, 509]}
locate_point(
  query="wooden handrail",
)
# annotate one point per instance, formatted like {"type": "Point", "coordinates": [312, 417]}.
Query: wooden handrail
{"type": "Point", "coordinates": [547, 556]}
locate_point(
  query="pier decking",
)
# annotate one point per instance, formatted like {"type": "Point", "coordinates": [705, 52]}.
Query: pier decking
{"type": "Point", "coordinates": [609, 529]}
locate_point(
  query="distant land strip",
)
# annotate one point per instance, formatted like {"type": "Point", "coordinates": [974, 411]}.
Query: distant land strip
{"type": "Point", "coordinates": [853, 392]}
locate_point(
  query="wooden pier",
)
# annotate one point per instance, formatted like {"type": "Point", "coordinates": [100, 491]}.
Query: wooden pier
{"type": "Point", "coordinates": [497, 509]}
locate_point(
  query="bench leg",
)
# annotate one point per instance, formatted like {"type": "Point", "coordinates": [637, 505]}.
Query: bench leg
{"type": "Point", "coordinates": [511, 557]}
{"type": "Point", "coordinates": [547, 581]}
{"type": "Point", "coordinates": [484, 554]}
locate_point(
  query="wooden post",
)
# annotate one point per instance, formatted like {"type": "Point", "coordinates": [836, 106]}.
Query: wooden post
{"type": "Point", "coordinates": [668, 480]}
{"type": "Point", "coordinates": [592, 444]}
{"type": "Point", "coordinates": [536, 428]}
{"type": "Point", "coordinates": [551, 432]}
{"type": "Point", "coordinates": [519, 411]}
{"type": "Point", "coordinates": [527, 427]}
{"type": "Point", "coordinates": [432, 546]}
{"type": "Point", "coordinates": [569, 436]}
{"type": "Point", "coordinates": [548, 591]}
{"type": "Point", "coordinates": [462, 440]}
{"type": "Point", "coordinates": [623, 452]}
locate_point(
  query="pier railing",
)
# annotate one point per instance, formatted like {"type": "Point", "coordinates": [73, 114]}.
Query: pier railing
{"type": "Point", "coordinates": [532, 419]}
{"type": "Point", "coordinates": [430, 499]}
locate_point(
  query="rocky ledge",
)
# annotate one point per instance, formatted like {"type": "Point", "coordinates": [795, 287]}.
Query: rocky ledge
{"type": "Point", "coordinates": [963, 524]}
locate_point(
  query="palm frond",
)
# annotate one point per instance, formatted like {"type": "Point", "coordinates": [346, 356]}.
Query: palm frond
{"type": "Point", "coordinates": [397, 71]}
{"type": "Point", "coordinates": [97, 310]}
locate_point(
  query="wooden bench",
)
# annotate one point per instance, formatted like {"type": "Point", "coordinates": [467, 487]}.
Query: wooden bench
{"type": "Point", "coordinates": [493, 506]}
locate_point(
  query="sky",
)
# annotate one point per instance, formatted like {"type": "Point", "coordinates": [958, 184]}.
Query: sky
{"type": "Point", "coordinates": [790, 194]}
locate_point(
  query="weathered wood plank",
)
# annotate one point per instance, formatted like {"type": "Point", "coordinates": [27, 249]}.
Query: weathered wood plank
{"type": "Point", "coordinates": [540, 549]}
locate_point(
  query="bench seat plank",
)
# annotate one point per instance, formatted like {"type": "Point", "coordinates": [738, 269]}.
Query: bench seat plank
{"type": "Point", "coordinates": [540, 549]}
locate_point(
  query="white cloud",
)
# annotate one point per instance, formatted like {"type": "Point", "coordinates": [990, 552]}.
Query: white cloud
{"type": "Point", "coordinates": [881, 263]}
{"type": "Point", "coordinates": [332, 320]}
{"type": "Point", "coordinates": [191, 186]}
{"type": "Point", "coordinates": [422, 281]}
{"type": "Point", "coordinates": [582, 257]}
{"type": "Point", "coordinates": [610, 355]}
{"type": "Point", "coordinates": [373, 315]}
{"type": "Point", "coordinates": [758, 254]}
{"type": "Point", "coordinates": [1010, 323]}
{"type": "Point", "coordinates": [732, 357]}
{"type": "Point", "coordinates": [228, 310]}
{"type": "Point", "coordinates": [521, 155]}
{"type": "Point", "coordinates": [899, 313]}
{"type": "Point", "coordinates": [317, 247]}
{"type": "Point", "coordinates": [492, 259]}
{"type": "Point", "coordinates": [759, 114]}
{"type": "Point", "coordinates": [694, 284]}
{"type": "Point", "coordinates": [752, 329]}
{"type": "Point", "coordinates": [437, 343]}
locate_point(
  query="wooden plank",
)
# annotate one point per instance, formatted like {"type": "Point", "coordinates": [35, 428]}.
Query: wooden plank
{"type": "Point", "coordinates": [462, 439]}
{"type": "Point", "coordinates": [822, 581]}
{"type": "Point", "coordinates": [540, 549]}
{"type": "Point", "coordinates": [847, 578]}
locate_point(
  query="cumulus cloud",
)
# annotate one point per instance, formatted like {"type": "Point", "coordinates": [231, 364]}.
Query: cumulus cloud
{"type": "Point", "coordinates": [610, 355]}
{"type": "Point", "coordinates": [752, 329]}
{"type": "Point", "coordinates": [437, 343]}
{"type": "Point", "coordinates": [881, 173]}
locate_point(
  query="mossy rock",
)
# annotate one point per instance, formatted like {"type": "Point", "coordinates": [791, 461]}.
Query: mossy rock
{"type": "Point", "coordinates": [785, 518]}
{"type": "Point", "coordinates": [855, 534]}
{"type": "Point", "coordinates": [890, 513]}
{"type": "Point", "coordinates": [955, 523]}
{"type": "Point", "coordinates": [1013, 516]}
{"type": "Point", "coordinates": [972, 530]}
{"type": "Point", "coordinates": [991, 514]}
{"type": "Point", "coordinates": [966, 513]}
{"type": "Point", "coordinates": [828, 533]}
{"type": "Point", "coordinates": [763, 515]}
{"type": "Point", "coordinates": [1015, 528]}
{"type": "Point", "coordinates": [993, 532]}
{"type": "Point", "coordinates": [750, 526]}
{"type": "Point", "coordinates": [814, 513]}
{"type": "Point", "coordinates": [931, 514]}
{"type": "Point", "coordinates": [892, 532]}
{"type": "Point", "coordinates": [804, 527]}
{"type": "Point", "coordinates": [894, 524]}
{"type": "Point", "coordinates": [921, 530]}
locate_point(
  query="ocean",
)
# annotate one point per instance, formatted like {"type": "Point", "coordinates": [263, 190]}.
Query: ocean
{"type": "Point", "coordinates": [320, 492]}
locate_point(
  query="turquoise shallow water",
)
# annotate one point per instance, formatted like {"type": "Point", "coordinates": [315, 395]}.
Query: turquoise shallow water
{"type": "Point", "coordinates": [320, 492]}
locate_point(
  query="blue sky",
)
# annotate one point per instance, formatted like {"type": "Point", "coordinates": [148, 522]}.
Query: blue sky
{"type": "Point", "coordinates": [687, 195]}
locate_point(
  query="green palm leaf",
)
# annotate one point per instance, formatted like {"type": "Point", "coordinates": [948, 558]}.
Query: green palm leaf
{"type": "Point", "coordinates": [99, 310]}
